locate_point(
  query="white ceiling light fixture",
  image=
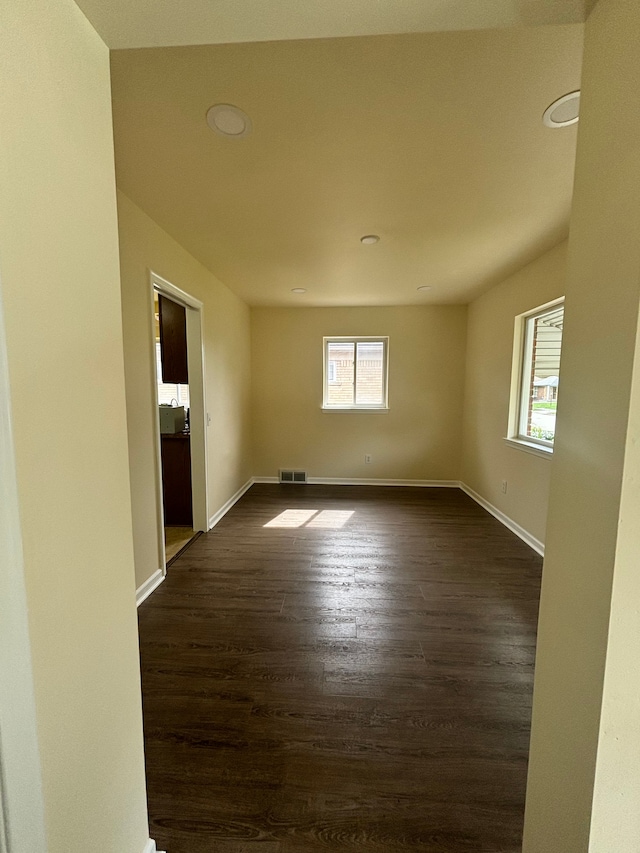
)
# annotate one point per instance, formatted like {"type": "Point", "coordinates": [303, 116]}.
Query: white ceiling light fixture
{"type": "Point", "coordinates": [228, 121]}
{"type": "Point", "coordinates": [564, 111]}
{"type": "Point", "coordinates": [298, 290]}
{"type": "Point", "coordinates": [370, 239]}
{"type": "Point", "coordinates": [424, 288]}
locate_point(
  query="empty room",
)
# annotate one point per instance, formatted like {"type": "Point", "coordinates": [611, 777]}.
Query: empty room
{"type": "Point", "coordinates": [328, 543]}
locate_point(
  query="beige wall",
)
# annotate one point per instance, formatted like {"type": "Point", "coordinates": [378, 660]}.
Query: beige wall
{"type": "Point", "coordinates": [60, 285]}
{"type": "Point", "coordinates": [145, 246]}
{"type": "Point", "coordinates": [586, 540]}
{"type": "Point", "coordinates": [615, 825]}
{"type": "Point", "coordinates": [417, 439]}
{"type": "Point", "coordinates": [487, 459]}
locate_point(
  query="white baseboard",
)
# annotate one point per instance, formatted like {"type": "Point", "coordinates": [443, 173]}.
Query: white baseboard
{"type": "Point", "coordinates": [351, 481]}
{"type": "Point", "coordinates": [151, 584]}
{"type": "Point", "coordinates": [422, 484]}
{"type": "Point", "coordinates": [513, 526]}
{"type": "Point", "coordinates": [224, 509]}
{"type": "Point", "coordinates": [150, 847]}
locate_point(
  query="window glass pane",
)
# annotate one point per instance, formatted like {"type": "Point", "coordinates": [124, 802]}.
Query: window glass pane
{"type": "Point", "coordinates": [169, 393]}
{"type": "Point", "coordinates": [544, 376]}
{"type": "Point", "coordinates": [370, 374]}
{"type": "Point", "coordinates": [340, 384]}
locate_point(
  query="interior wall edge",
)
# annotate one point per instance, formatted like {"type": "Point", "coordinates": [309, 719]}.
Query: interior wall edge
{"type": "Point", "coordinates": [514, 482]}
{"type": "Point", "coordinates": [150, 847]}
{"type": "Point", "coordinates": [145, 246]}
{"type": "Point", "coordinates": [224, 509]}
{"type": "Point", "coordinates": [513, 526]}
{"type": "Point", "coordinates": [144, 590]}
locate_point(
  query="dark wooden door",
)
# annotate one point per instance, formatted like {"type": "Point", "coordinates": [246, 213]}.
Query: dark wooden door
{"type": "Point", "coordinates": [173, 341]}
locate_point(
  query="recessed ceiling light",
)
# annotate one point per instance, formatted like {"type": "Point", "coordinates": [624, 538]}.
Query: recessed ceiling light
{"type": "Point", "coordinates": [424, 288]}
{"type": "Point", "coordinates": [228, 120]}
{"type": "Point", "coordinates": [370, 239]}
{"type": "Point", "coordinates": [298, 290]}
{"type": "Point", "coordinates": [564, 111]}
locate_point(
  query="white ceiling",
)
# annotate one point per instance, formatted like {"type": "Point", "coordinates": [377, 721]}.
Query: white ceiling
{"type": "Point", "coordinates": [415, 119]}
{"type": "Point", "coordinates": [434, 141]}
{"type": "Point", "coordinates": [161, 23]}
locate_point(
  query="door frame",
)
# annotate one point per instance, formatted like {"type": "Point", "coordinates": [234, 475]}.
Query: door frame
{"type": "Point", "coordinates": [22, 827]}
{"type": "Point", "coordinates": [198, 418]}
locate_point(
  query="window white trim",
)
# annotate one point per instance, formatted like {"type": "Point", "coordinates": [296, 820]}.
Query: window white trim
{"type": "Point", "coordinates": [362, 410]}
{"type": "Point", "coordinates": [355, 407]}
{"type": "Point", "coordinates": [530, 447]}
{"type": "Point", "coordinates": [521, 367]}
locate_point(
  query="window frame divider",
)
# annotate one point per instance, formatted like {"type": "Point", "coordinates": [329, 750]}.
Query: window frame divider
{"type": "Point", "coordinates": [517, 390]}
{"type": "Point", "coordinates": [356, 339]}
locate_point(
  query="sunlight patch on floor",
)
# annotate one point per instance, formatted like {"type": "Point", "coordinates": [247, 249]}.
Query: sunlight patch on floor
{"type": "Point", "coordinates": [328, 519]}
{"type": "Point", "coordinates": [331, 519]}
{"type": "Point", "coordinates": [292, 518]}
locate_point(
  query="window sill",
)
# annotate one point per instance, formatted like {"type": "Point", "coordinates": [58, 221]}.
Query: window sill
{"type": "Point", "coordinates": [352, 409]}
{"type": "Point", "coordinates": [530, 447]}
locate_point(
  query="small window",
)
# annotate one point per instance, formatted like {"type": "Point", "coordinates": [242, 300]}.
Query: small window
{"type": "Point", "coordinates": [355, 373]}
{"type": "Point", "coordinates": [169, 393]}
{"type": "Point", "coordinates": [537, 349]}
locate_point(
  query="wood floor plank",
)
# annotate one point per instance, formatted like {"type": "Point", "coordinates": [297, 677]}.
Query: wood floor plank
{"type": "Point", "coordinates": [362, 688]}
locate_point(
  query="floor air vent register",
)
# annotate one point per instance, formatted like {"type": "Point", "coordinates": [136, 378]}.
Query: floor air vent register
{"type": "Point", "coordinates": [293, 476]}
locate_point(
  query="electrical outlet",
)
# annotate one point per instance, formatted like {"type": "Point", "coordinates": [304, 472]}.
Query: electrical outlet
{"type": "Point", "coordinates": [504, 487]}
{"type": "Point", "coordinates": [367, 458]}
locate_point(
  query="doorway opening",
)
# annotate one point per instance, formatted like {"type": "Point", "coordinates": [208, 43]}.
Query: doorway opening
{"type": "Point", "coordinates": [180, 418]}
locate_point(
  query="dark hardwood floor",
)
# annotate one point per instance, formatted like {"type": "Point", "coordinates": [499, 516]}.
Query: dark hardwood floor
{"type": "Point", "coordinates": [356, 683]}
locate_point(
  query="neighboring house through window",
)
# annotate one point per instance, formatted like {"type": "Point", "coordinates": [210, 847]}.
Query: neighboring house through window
{"type": "Point", "coordinates": [536, 375]}
{"type": "Point", "coordinates": [355, 373]}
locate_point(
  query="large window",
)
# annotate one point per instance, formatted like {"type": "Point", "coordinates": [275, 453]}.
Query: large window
{"type": "Point", "coordinates": [355, 373]}
{"type": "Point", "coordinates": [538, 344]}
